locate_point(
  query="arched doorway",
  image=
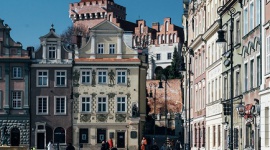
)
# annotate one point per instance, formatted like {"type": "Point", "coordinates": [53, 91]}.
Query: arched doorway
{"type": "Point", "coordinates": [59, 135]}
{"type": "Point", "coordinates": [15, 137]}
{"type": "Point", "coordinates": [158, 72]}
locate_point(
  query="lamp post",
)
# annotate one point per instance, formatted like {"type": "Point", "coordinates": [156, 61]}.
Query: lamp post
{"type": "Point", "coordinates": [229, 60]}
{"type": "Point", "coordinates": [154, 98]}
{"type": "Point", "coordinates": [166, 109]}
{"type": "Point", "coordinates": [182, 69]}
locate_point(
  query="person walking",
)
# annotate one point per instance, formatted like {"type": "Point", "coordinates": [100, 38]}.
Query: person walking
{"type": "Point", "coordinates": [70, 147]}
{"type": "Point", "coordinates": [110, 143]}
{"type": "Point", "coordinates": [103, 145]}
{"type": "Point", "coordinates": [50, 145]}
{"type": "Point", "coordinates": [177, 145]}
{"type": "Point", "coordinates": [154, 146]}
{"type": "Point", "coordinates": [143, 143]}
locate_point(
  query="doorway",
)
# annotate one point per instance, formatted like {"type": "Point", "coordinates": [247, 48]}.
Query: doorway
{"type": "Point", "coordinates": [40, 141]}
{"type": "Point", "coordinates": [121, 139]}
{"type": "Point", "coordinates": [15, 137]}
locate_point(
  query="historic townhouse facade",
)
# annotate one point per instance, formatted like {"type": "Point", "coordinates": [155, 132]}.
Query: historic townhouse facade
{"type": "Point", "coordinates": [251, 71]}
{"type": "Point", "coordinates": [197, 28]}
{"type": "Point", "coordinates": [51, 101]}
{"type": "Point", "coordinates": [265, 90]}
{"type": "Point", "coordinates": [14, 90]}
{"type": "Point", "coordinates": [109, 90]}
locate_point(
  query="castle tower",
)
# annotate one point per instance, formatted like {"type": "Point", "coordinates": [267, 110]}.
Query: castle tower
{"type": "Point", "coordinates": [88, 13]}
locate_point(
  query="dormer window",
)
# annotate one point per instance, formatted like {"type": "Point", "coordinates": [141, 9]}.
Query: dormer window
{"type": "Point", "coordinates": [52, 52]}
{"type": "Point", "coordinates": [100, 48]}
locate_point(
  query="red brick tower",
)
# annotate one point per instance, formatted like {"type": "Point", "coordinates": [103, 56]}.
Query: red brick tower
{"type": "Point", "coordinates": [89, 13]}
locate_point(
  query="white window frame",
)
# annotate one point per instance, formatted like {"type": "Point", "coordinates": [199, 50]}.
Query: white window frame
{"type": "Point", "coordinates": [245, 21]}
{"type": "Point", "coordinates": [103, 104]}
{"type": "Point", "coordinates": [46, 98]}
{"type": "Point", "coordinates": [251, 15]}
{"type": "Point", "coordinates": [267, 55]}
{"type": "Point", "coordinates": [245, 77]}
{"type": "Point", "coordinates": [43, 77]}
{"type": "Point", "coordinates": [17, 99]}
{"type": "Point", "coordinates": [55, 105]}
{"type": "Point", "coordinates": [17, 72]}
{"type": "Point", "coordinates": [85, 76]}
{"type": "Point", "coordinates": [169, 56]}
{"type": "Point", "coordinates": [121, 79]}
{"type": "Point", "coordinates": [102, 76]}
{"type": "Point", "coordinates": [52, 50]}
{"type": "Point", "coordinates": [158, 56]}
{"type": "Point", "coordinates": [120, 101]}
{"type": "Point", "coordinates": [100, 48]}
{"type": "Point", "coordinates": [258, 13]}
{"type": "Point", "coordinates": [60, 76]}
{"type": "Point", "coordinates": [112, 48]}
{"type": "Point", "coordinates": [85, 102]}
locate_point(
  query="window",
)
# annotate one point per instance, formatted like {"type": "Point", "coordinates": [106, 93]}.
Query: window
{"type": "Point", "coordinates": [158, 56]}
{"type": "Point", "coordinates": [112, 48]}
{"type": "Point", "coordinates": [60, 78]}
{"type": "Point", "coordinates": [86, 104]}
{"type": "Point", "coordinates": [60, 105]}
{"type": "Point", "coordinates": [266, 127]}
{"type": "Point", "coordinates": [258, 14]}
{"type": "Point", "coordinates": [258, 70]}
{"type": "Point", "coordinates": [245, 21]}
{"type": "Point", "coordinates": [121, 77]}
{"type": "Point", "coordinates": [238, 31]}
{"type": "Point", "coordinates": [102, 77]}
{"type": "Point", "coordinates": [268, 55]}
{"type": "Point", "coordinates": [100, 48]}
{"type": "Point", "coordinates": [42, 77]}
{"type": "Point", "coordinates": [0, 72]}
{"type": "Point", "coordinates": [214, 136]}
{"type": "Point", "coordinates": [42, 105]}
{"type": "Point", "coordinates": [102, 104]}
{"type": "Point", "coordinates": [246, 77]}
{"type": "Point", "coordinates": [251, 17]}
{"type": "Point", "coordinates": [218, 136]}
{"type": "Point", "coordinates": [83, 136]}
{"type": "Point", "coordinates": [85, 76]}
{"type": "Point", "coordinates": [121, 104]}
{"type": "Point", "coordinates": [251, 73]}
{"type": "Point", "coordinates": [225, 87]}
{"type": "Point", "coordinates": [237, 86]}
{"type": "Point", "coordinates": [17, 72]}
{"type": "Point", "coordinates": [169, 56]}
{"type": "Point", "coordinates": [52, 52]}
{"type": "Point", "coordinates": [16, 99]}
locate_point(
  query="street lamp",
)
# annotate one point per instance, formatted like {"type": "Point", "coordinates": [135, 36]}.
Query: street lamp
{"type": "Point", "coordinates": [229, 59]}
{"type": "Point", "coordinates": [182, 68]}
{"type": "Point", "coordinates": [166, 109]}
{"type": "Point", "coordinates": [154, 98]}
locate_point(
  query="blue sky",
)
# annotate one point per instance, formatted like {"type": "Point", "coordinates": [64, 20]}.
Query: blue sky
{"type": "Point", "coordinates": [30, 19]}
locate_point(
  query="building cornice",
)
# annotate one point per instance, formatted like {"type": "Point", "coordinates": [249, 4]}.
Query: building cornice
{"type": "Point", "coordinates": [197, 41]}
{"type": "Point", "coordinates": [212, 30]}
{"type": "Point", "coordinates": [51, 65]}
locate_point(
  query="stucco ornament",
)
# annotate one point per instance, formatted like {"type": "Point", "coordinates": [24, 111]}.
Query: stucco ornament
{"type": "Point", "coordinates": [111, 95]}
{"type": "Point", "coordinates": [102, 117]}
{"type": "Point", "coordinates": [128, 96]}
{"type": "Point", "coordinates": [112, 78]}
{"type": "Point", "coordinates": [76, 78]}
{"type": "Point", "coordinates": [120, 117]}
{"type": "Point", "coordinates": [94, 95]}
{"type": "Point", "coordinates": [93, 78]}
{"type": "Point", "coordinates": [85, 118]}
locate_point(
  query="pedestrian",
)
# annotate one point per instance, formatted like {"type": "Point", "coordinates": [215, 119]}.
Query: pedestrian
{"type": "Point", "coordinates": [70, 147]}
{"type": "Point", "coordinates": [103, 145]}
{"type": "Point", "coordinates": [177, 145]}
{"type": "Point", "coordinates": [143, 143]}
{"type": "Point", "coordinates": [107, 146]}
{"type": "Point", "coordinates": [154, 146]}
{"type": "Point", "coordinates": [163, 147]}
{"type": "Point", "coordinates": [110, 143]}
{"type": "Point", "coordinates": [50, 145]}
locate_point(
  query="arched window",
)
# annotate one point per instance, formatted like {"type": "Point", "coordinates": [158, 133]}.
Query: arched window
{"type": "Point", "coordinates": [141, 28]}
{"type": "Point", "coordinates": [162, 37]}
{"type": "Point", "coordinates": [59, 135]}
{"type": "Point", "coordinates": [159, 39]}
{"type": "Point", "coordinates": [166, 26]}
{"type": "Point", "coordinates": [174, 38]}
{"type": "Point", "coordinates": [110, 18]}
